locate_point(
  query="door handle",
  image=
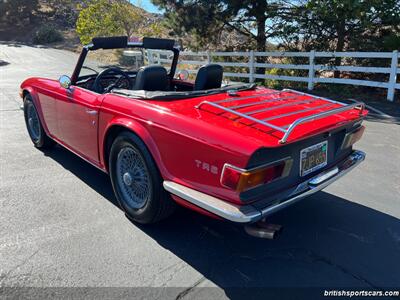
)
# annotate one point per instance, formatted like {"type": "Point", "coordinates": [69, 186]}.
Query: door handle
{"type": "Point", "coordinates": [91, 112]}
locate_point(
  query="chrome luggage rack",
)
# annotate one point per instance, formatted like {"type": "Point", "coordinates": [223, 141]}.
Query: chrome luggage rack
{"type": "Point", "coordinates": [288, 128]}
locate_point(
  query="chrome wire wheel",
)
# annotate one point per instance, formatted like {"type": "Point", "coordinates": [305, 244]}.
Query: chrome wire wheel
{"type": "Point", "coordinates": [133, 178]}
{"type": "Point", "coordinates": [33, 122]}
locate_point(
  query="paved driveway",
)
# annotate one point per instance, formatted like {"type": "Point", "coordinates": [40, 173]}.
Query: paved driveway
{"type": "Point", "coordinates": [60, 227]}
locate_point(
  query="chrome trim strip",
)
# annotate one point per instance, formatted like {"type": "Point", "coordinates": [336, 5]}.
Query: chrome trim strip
{"type": "Point", "coordinates": [270, 164]}
{"type": "Point", "coordinates": [324, 176]}
{"type": "Point", "coordinates": [226, 210]}
{"type": "Point", "coordinates": [248, 213]}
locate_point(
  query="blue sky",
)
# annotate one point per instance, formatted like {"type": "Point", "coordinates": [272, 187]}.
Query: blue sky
{"type": "Point", "coordinates": [146, 5]}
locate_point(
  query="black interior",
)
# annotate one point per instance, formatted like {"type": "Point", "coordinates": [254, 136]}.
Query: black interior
{"type": "Point", "coordinates": [208, 77]}
{"type": "Point", "coordinates": [105, 82]}
{"type": "Point", "coordinates": [152, 78]}
{"type": "Point", "coordinates": [100, 87]}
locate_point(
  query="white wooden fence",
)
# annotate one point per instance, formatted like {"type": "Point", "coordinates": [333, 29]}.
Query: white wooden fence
{"type": "Point", "coordinates": [248, 60]}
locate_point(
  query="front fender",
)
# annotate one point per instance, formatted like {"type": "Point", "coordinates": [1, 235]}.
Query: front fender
{"type": "Point", "coordinates": [137, 128]}
{"type": "Point", "coordinates": [35, 98]}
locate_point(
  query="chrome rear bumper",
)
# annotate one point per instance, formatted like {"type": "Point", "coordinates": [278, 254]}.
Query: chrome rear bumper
{"type": "Point", "coordinates": [248, 213]}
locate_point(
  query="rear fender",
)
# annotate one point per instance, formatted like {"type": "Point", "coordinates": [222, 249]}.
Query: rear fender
{"type": "Point", "coordinates": [142, 133]}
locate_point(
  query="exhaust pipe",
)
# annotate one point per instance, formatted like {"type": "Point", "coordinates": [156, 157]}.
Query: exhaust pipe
{"type": "Point", "coordinates": [263, 230]}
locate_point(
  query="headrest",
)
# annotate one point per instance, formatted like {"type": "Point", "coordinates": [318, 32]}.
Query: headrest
{"type": "Point", "coordinates": [152, 78]}
{"type": "Point", "coordinates": [209, 77]}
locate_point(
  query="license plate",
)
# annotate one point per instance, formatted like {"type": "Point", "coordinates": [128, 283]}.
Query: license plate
{"type": "Point", "coordinates": [313, 158]}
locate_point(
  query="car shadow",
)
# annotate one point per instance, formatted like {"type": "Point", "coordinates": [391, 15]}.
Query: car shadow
{"type": "Point", "coordinates": [93, 177]}
{"type": "Point", "coordinates": [327, 242]}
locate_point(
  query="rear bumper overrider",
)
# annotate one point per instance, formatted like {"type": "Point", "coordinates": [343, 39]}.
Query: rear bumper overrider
{"type": "Point", "coordinates": [249, 213]}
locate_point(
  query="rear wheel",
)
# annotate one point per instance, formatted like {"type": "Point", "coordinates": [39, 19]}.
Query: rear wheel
{"type": "Point", "coordinates": [136, 181]}
{"type": "Point", "coordinates": [34, 126]}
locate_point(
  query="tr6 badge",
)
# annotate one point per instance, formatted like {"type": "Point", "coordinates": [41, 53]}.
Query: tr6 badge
{"type": "Point", "coordinates": [206, 167]}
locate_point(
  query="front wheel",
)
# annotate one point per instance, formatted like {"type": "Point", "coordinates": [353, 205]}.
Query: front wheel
{"type": "Point", "coordinates": [34, 126]}
{"type": "Point", "coordinates": [136, 180]}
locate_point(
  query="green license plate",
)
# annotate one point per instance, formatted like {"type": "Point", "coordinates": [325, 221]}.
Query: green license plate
{"type": "Point", "coordinates": [313, 158]}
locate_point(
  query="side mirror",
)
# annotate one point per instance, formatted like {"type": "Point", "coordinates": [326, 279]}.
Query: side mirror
{"type": "Point", "coordinates": [183, 75]}
{"type": "Point", "coordinates": [65, 81]}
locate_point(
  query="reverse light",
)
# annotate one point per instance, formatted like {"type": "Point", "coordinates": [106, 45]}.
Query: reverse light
{"type": "Point", "coordinates": [242, 180]}
{"type": "Point", "coordinates": [352, 137]}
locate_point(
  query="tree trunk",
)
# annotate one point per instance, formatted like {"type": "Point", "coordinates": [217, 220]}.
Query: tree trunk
{"type": "Point", "coordinates": [339, 46]}
{"type": "Point", "coordinates": [261, 38]}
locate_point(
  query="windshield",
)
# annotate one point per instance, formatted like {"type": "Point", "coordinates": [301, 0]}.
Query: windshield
{"type": "Point", "coordinates": [129, 60]}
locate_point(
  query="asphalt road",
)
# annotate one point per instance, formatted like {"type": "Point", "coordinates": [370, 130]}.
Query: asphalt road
{"type": "Point", "coordinates": [60, 227]}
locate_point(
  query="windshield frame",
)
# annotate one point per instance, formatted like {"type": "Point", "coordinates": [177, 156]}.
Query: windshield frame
{"type": "Point", "coordinates": [128, 45]}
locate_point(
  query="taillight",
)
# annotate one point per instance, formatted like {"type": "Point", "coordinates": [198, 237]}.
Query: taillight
{"type": "Point", "coordinates": [242, 180]}
{"type": "Point", "coordinates": [352, 137]}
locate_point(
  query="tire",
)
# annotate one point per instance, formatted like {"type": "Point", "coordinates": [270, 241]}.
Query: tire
{"type": "Point", "coordinates": [137, 182]}
{"type": "Point", "coordinates": [34, 126]}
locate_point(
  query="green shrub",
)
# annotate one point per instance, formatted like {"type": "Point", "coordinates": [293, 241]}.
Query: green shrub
{"type": "Point", "coordinates": [280, 84]}
{"type": "Point", "coordinates": [345, 91]}
{"type": "Point", "coordinates": [46, 35]}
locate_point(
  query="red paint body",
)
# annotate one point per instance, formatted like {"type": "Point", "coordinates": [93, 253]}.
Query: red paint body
{"type": "Point", "coordinates": [176, 133]}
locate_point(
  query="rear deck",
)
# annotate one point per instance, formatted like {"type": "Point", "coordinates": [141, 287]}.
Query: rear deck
{"type": "Point", "coordinates": [282, 111]}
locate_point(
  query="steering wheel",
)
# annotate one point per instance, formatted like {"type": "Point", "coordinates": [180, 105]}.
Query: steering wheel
{"type": "Point", "coordinates": [98, 88]}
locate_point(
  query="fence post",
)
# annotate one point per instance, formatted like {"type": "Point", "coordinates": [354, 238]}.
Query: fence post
{"type": "Point", "coordinates": [208, 57]}
{"type": "Point", "coordinates": [311, 71]}
{"type": "Point", "coordinates": [158, 58]}
{"type": "Point", "coordinates": [150, 57]}
{"type": "Point", "coordinates": [251, 66]}
{"type": "Point", "coordinates": [393, 76]}
{"type": "Point", "coordinates": [144, 56]}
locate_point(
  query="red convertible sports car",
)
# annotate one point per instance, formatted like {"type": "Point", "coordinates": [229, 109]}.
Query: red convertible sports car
{"type": "Point", "coordinates": [237, 152]}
